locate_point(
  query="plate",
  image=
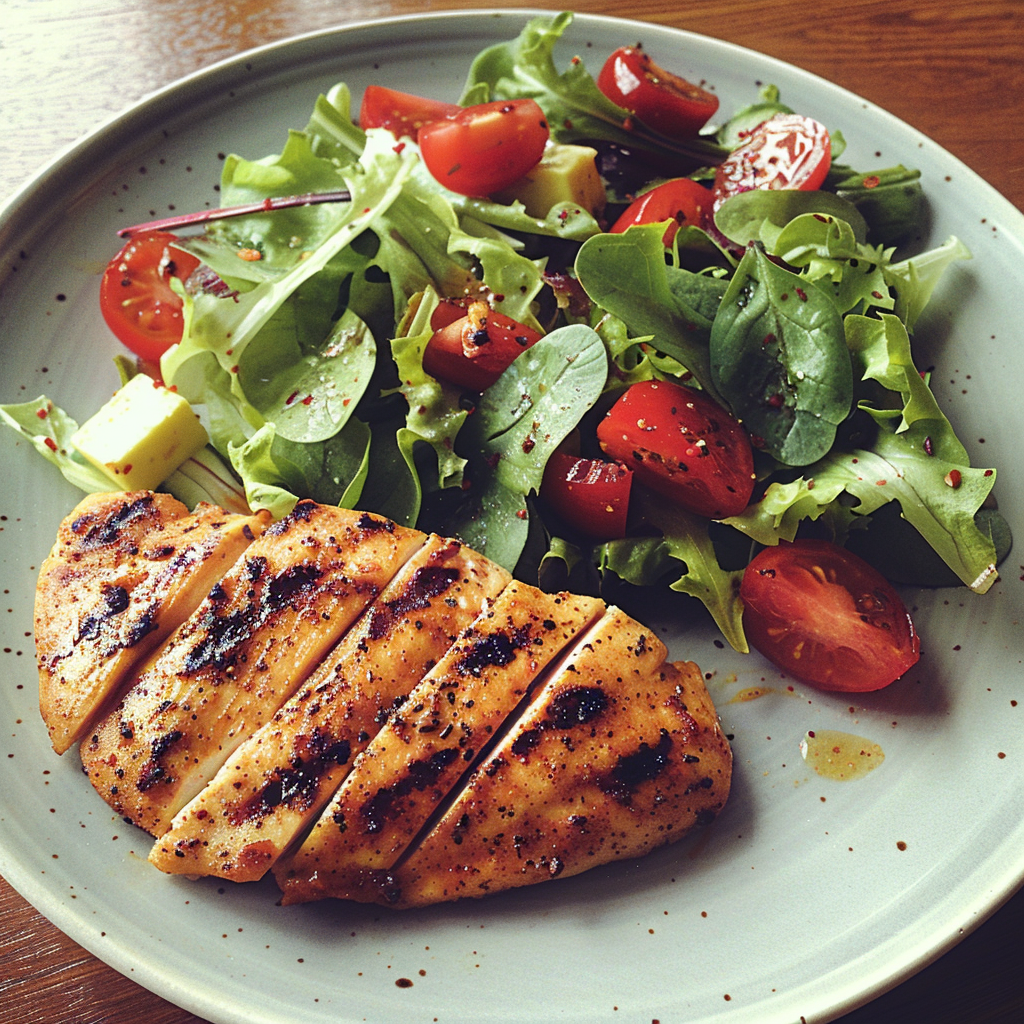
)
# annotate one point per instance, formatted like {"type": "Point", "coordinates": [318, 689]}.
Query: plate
{"type": "Point", "coordinates": [807, 897]}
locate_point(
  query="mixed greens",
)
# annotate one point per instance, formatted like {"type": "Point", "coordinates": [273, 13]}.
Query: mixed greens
{"type": "Point", "coordinates": [306, 363]}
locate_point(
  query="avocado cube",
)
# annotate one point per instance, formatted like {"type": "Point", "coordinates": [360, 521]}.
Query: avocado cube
{"type": "Point", "coordinates": [565, 174]}
{"type": "Point", "coordinates": [141, 435]}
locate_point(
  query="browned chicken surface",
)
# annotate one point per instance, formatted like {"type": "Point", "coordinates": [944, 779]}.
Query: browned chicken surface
{"type": "Point", "coordinates": [373, 713]}
{"type": "Point", "coordinates": [276, 783]}
{"type": "Point", "coordinates": [125, 571]}
{"type": "Point", "coordinates": [246, 648]}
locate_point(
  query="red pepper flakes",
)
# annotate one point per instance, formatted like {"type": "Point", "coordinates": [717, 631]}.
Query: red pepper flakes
{"type": "Point", "coordinates": [801, 294]}
{"type": "Point", "coordinates": [50, 443]}
{"type": "Point", "coordinates": [929, 448]}
{"type": "Point", "coordinates": [127, 469]}
{"type": "Point", "coordinates": [627, 125]}
{"type": "Point", "coordinates": [250, 255]}
{"type": "Point", "coordinates": [954, 478]}
{"type": "Point", "coordinates": [521, 514]}
{"type": "Point", "coordinates": [872, 181]}
{"type": "Point", "coordinates": [43, 413]}
{"type": "Point", "coordinates": [398, 147]}
{"type": "Point", "coordinates": [308, 400]}
{"type": "Point", "coordinates": [291, 398]}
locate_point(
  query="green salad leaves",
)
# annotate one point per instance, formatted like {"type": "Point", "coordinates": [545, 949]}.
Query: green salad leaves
{"type": "Point", "coordinates": [306, 364]}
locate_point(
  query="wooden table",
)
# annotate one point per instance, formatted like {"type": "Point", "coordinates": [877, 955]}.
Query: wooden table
{"type": "Point", "coordinates": [955, 71]}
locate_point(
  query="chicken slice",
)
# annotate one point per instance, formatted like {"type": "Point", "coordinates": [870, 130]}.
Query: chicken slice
{"type": "Point", "coordinates": [126, 570]}
{"type": "Point", "coordinates": [239, 656]}
{"type": "Point", "coordinates": [279, 780]}
{"type": "Point", "coordinates": [430, 741]}
{"type": "Point", "coordinates": [619, 753]}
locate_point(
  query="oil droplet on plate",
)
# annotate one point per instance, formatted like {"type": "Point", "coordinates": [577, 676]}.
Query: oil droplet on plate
{"type": "Point", "coordinates": [840, 755]}
{"type": "Point", "coordinates": [751, 693]}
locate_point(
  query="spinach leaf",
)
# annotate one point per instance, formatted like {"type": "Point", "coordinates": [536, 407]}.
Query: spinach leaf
{"type": "Point", "coordinates": [891, 200]}
{"type": "Point", "coordinates": [308, 393]}
{"type": "Point", "coordinates": [778, 356]}
{"type": "Point", "coordinates": [626, 274]}
{"type": "Point", "coordinates": [519, 422]}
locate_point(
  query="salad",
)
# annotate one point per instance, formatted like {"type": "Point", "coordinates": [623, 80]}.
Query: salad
{"type": "Point", "coordinates": [604, 341]}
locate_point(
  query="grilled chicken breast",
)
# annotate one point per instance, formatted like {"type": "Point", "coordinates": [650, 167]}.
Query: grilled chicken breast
{"type": "Point", "coordinates": [125, 571]}
{"type": "Point", "coordinates": [279, 780]}
{"type": "Point", "coordinates": [427, 745]}
{"type": "Point", "coordinates": [373, 713]}
{"type": "Point", "coordinates": [621, 752]}
{"type": "Point", "coordinates": [246, 648]}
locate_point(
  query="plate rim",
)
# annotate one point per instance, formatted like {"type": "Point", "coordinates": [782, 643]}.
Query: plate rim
{"type": "Point", "coordinates": [18, 225]}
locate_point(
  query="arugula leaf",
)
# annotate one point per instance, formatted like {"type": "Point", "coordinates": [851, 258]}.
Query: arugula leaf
{"type": "Point", "coordinates": [573, 105]}
{"type": "Point", "coordinates": [778, 356]}
{"type": "Point", "coordinates": [683, 542]}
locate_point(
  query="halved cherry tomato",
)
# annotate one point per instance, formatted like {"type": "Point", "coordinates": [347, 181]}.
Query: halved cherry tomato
{"type": "Point", "coordinates": [682, 444]}
{"type": "Point", "coordinates": [825, 616]}
{"type": "Point", "coordinates": [590, 494]}
{"type": "Point", "coordinates": [402, 113]}
{"type": "Point", "coordinates": [485, 148]}
{"type": "Point", "coordinates": [476, 349]}
{"type": "Point", "coordinates": [788, 151]}
{"type": "Point", "coordinates": [136, 299]}
{"type": "Point", "coordinates": [663, 101]}
{"type": "Point", "coordinates": [681, 200]}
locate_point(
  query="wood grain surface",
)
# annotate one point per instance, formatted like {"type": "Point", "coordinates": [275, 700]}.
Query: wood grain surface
{"type": "Point", "coordinates": [954, 71]}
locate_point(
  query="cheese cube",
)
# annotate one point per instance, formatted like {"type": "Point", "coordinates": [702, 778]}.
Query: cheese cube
{"type": "Point", "coordinates": [141, 435]}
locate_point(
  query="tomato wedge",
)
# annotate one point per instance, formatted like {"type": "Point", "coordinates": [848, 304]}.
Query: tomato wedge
{"type": "Point", "coordinates": [788, 151]}
{"type": "Point", "coordinates": [681, 200]}
{"type": "Point", "coordinates": [402, 113]}
{"type": "Point", "coordinates": [485, 148]}
{"type": "Point", "coordinates": [136, 298]}
{"type": "Point", "coordinates": [682, 444]}
{"type": "Point", "coordinates": [663, 101]}
{"type": "Point", "coordinates": [474, 350]}
{"type": "Point", "coordinates": [589, 494]}
{"type": "Point", "coordinates": [823, 615]}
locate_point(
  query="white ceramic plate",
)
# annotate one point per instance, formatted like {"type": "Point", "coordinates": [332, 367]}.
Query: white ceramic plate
{"type": "Point", "coordinates": [805, 898]}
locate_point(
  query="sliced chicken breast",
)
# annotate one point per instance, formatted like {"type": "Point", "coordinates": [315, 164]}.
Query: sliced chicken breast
{"type": "Point", "coordinates": [620, 752]}
{"type": "Point", "coordinates": [244, 651]}
{"type": "Point", "coordinates": [279, 780]}
{"type": "Point", "coordinates": [126, 570]}
{"type": "Point", "coordinates": [427, 745]}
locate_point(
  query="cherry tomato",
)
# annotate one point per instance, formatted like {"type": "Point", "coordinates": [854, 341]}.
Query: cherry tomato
{"type": "Point", "coordinates": [663, 101]}
{"type": "Point", "coordinates": [476, 349]}
{"type": "Point", "coordinates": [681, 200]}
{"type": "Point", "coordinates": [683, 445]}
{"type": "Point", "coordinates": [825, 616]}
{"type": "Point", "coordinates": [485, 148]}
{"type": "Point", "coordinates": [590, 494]}
{"type": "Point", "coordinates": [402, 113]}
{"type": "Point", "coordinates": [136, 299]}
{"type": "Point", "coordinates": [788, 151]}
